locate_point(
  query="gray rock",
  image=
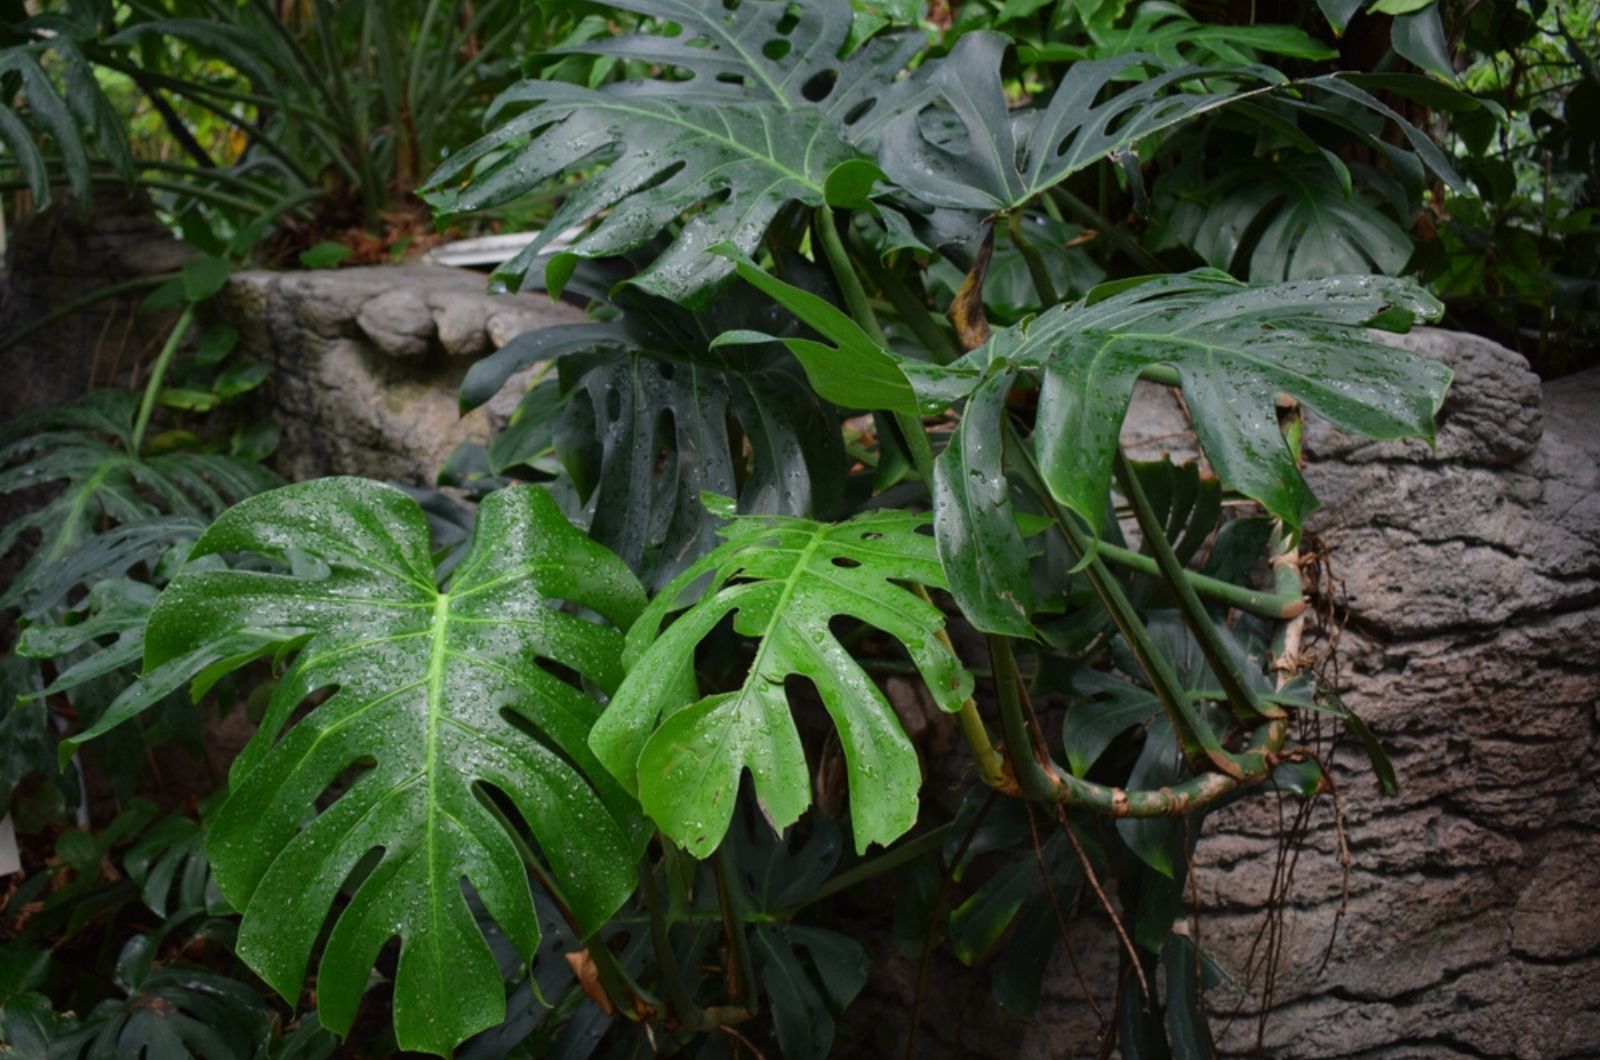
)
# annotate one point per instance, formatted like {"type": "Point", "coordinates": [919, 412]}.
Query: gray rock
{"type": "Point", "coordinates": [367, 362]}
{"type": "Point", "coordinates": [1471, 574]}
{"type": "Point", "coordinates": [1469, 577]}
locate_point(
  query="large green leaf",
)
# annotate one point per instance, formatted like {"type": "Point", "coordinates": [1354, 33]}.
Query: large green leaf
{"type": "Point", "coordinates": [647, 416]}
{"type": "Point", "coordinates": [784, 581]}
{"type": "Point", "coordinates": [1292, 220]}
{"type": "Point", "coordinates": [980, 155]}
{"type": "Point", "coordinates": [1234, 348]}
{"type": "Point", "coordinates": [439, 698]}
{"type": "Point", "coordinates": [769, 114]}
{"type": "Point", "coordinates": [1176, 37]}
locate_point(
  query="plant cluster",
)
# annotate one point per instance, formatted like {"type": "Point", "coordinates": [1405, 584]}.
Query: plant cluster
{"type": "Point", "coordinates": [814, 557]}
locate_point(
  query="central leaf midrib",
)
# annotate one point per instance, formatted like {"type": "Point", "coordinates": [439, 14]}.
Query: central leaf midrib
{"type": "Point", "coordinates": [437, 657]}
{"type": "Point", "coordinates": [735, 145]}
{"type": "Point", "coordinates": [757, 664]}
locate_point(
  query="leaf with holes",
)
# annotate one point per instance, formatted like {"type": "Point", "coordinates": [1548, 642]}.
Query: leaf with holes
{"type": "Point", "coordinates": [771, 113]}
{"type": "Point", "coordinates": [1291, 221]}
{"type": "Point", "coordinates": [975, 153]}
{"type": "Point", "coordinates": [406, 783]}
{"type": "Point", "coordinates": [784, 581]}
{"type": "Point", "coordinates": [1234, 348]}
{"type": "Point", "coordinates": [171, 1011]}
{"type": "Point", "coordinates": [647, 416]}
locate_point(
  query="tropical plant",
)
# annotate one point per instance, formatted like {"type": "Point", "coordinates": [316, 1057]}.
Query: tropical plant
{"type": "Point", "coordinates": [332, 112]}
{"type": "Point", "coordinates": [809, 439]}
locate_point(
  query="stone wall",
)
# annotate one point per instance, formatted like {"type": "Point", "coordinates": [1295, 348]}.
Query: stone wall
{"type": "Point", "coordinates": [1472, 578]}
{"type": "Point", "coordinates": [60, 256]}
{"type": "Point", "coordinates": [366, 362]}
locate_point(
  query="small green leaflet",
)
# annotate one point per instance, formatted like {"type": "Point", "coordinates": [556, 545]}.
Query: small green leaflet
{"type": "Point", "coordinates": [784, 580]}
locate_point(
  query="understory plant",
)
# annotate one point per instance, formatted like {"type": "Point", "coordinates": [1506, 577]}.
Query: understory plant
{"type": "Point", "coordinates": [815, 558]}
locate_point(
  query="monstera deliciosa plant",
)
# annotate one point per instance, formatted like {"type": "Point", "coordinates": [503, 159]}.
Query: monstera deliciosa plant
{"type": "Point", "coordinates": [642, 712]}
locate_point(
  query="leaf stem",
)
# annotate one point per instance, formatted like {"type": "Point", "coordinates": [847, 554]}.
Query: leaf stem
{"type": "Point", "coordinates": [1246, 706]}
{"type": "Point", "coordinates": [1035, 783]}
{"type": "Point", "coordinates": [1194, 736]}
{"type": "Point", "coordinates": [689, 1014]}
{"type": "Point", "coordinates": [1123, 242]}
{"type": "Point", "coordinates": [1281, 605]}
{"type": "Point", "coordinates": [742, 982]}
{"type": "Point", "coordinates": [917, 316]}
{"type": "Point", "coordinates": [1037, 270]}
{"type": "Point", "coordinates": [1040, 780]}
{"type": "Point", "coordinates": [152, 387]}
{"type": "Point", "coordinates": [991, 765]}
{"type": "Point", "coordinates": [901, 853]}
{"type": "Point", "coordinates": [855, 300]}
{"type": "Point", "coordinates": [97, 295]}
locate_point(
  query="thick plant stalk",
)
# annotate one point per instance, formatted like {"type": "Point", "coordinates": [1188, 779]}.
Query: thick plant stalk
{"type": "Point", "coordinates": [1194, 737]}
{"type": "Point", "coordinates": [1244, 702]}
{"type": "Point", "coordinates": [742, 979]}
{"type": "Point", "coordinates": [916, 316]}
{"type": "Point", "coordinates": [991, 766]}
{"type": "Point", "coordinates": [1040, 781]}
{"type": "Point", "coordinates": [1038, 271]}
{"type": "Point", "coordinates": [1284, 604]}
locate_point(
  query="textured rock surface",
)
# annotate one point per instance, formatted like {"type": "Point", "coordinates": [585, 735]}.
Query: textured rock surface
{"type": "Point", "coordinates": [1471, 574]}
{"type": "Point", "coordinates": [367, 361]}
{"type": "Point", "coordinates": [1472, 577]}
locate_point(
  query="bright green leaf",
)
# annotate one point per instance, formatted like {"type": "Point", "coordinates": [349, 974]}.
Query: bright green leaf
{"type": "Point", "coordinates": [784, 580]}
{"type": "Point", "coordinates": [438, 692]}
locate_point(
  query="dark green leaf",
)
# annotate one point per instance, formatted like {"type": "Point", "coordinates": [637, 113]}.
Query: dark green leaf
{"type": "Point", "coordinates": [1108, 707]}
{"type": "Point", "coordinates": [753, 129]}
{"type": "Point", "coordinates": [1339, 12]}
{"type": "Point", "coordinates": [204, 277]}
{"type": "Point", "coordinates": [1234, 348]}
{"type": "Point", "coordinates": [803, 1004]}
{"type": "Point", "coordinates": [1381, 765]}
{"type": "Point", "coordinates": [1188, 1026]}
{"type": "Point", "coordinates": [979, 155]}
{"type": "Point", "coordinates": [647, 416]}
{"type": "Point", "coordinates": [85, 446]}
{"type": "Point", "coordinates": [1420, 38]}
{"type": "Point", "coordinates": [980, 545]}
{"type": "Point", "coordinates": [1299, 221]}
